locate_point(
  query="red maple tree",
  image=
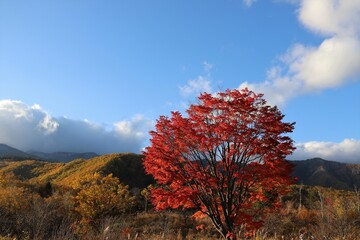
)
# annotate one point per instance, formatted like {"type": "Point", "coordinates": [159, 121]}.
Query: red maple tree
{"type": "Point", "coordinates": [226, 159]}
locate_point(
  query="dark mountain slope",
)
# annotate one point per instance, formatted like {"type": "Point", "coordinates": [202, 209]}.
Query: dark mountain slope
{"type": "Point", "coordinates": [13, 153]}
{"type": "Point", "coordinates": [320, 172]}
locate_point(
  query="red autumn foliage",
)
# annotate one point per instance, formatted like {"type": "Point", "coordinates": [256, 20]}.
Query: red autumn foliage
{"type": "Point", "coordinates": [226, 159]}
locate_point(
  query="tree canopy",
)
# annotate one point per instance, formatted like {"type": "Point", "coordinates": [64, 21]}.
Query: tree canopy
{"type": "Point", "coordinates": [226, 159]}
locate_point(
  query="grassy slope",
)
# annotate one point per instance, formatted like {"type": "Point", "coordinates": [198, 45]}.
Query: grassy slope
{"type": "Point", "coordinates": [127, 167]}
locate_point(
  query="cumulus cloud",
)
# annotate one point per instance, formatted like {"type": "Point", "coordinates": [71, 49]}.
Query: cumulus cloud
{"type": "Point", "coordinates": [336, 61]}
{"type": "Point", "coordinates": [32, 128]}
{"type": "Point", "coordinates": [346, 151]}
{"type": "Point", "coordinates": [200, 84]}
{"type": "Point", "coordinates": [196, 86]}
{"type": "Point", "coordinates": [331, 17]}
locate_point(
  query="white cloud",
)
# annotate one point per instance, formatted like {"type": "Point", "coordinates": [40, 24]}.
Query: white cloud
{"type": "Point", "coordinates": [196, 86]}
{"type": "Point", "coordinates": [32, 128]}
{"type": "Point", "coordinates": [249, 3]}
{"type": "Point", "coordinates": [200, 84]}
{"type": "Point", "coordinates": [346, 151]}
{"type": "Point", "coordinates": [136, 128]}
{"type": "Point", "coordinates": [336, 61]}
{"type": "Point", "coordinates": [333, 63]}
{"type": "Point", "coordinates": [331, 17]}
{"type": "Point", "coordinates": [16, 108]}
{"type": "Point", "coordinates": [48, 124]}
{"type": "Point", "coordinates": [277, 91]}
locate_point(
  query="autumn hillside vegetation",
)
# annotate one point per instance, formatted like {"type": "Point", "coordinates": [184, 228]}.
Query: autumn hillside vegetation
{"type": "Point", "coordinates": [127, 167]}
{"type": "Point", "coordinates": [38, 199]}
{"type": "Point", "coordinates": [108, 197]}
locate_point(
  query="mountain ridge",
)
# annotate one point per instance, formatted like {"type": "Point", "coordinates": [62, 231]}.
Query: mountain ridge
{"type": "Point", "coordinates": [63, 156]}
{"type": "Point", "coordinates": [7, 151]}
{"type": "Point", "coordinates": [320, 172]}
{"type": "Point", "coordinates": [312, 172]}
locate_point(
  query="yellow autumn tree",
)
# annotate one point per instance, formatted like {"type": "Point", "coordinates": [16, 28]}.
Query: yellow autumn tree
{"type": "Point", "coordinates": [146, 194]}
{"type": "Point", "coordinates": [100, 196]}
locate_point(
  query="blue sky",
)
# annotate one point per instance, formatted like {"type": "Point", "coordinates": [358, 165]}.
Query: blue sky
{"type": "Point", "coordinates": [95, 75]}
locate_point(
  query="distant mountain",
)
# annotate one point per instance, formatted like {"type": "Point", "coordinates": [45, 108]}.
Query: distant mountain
{"type": "Point", "coordinates": [129, 169]}
{"type": "Point", "coordinates": [63, 156]}
{"type": "Point", "coordinates": [320, 172]}
{"type": "Point", "coordinates": [18, 155]}
{"type": "Point", "coordinates": [13, 153]}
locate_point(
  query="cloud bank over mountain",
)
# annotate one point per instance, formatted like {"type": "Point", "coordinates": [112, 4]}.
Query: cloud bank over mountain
{"type": "Point", "coordinates": [305, 69]}
{"type": "Point", "coordinates": [32, 128]}
{"type": "Point", "coordinates": [346, 151]}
